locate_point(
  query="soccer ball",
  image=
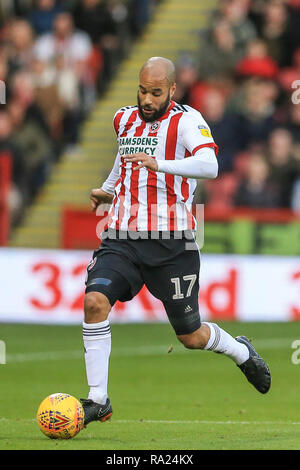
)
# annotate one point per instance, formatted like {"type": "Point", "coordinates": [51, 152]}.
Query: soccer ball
{"type": "Point", "coordinates": [60, 416]}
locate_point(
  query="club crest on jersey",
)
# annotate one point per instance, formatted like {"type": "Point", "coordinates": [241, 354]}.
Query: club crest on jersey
{"type": "Point", "coordinates": [205, 131]}
{"type": "Point", "coordinates": [155, 126]}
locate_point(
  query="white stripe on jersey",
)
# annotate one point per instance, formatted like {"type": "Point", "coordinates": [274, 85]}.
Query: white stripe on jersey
{"type": "Point", "coordinates": [145, 200]}
{"type": "Point", "coordinates": [142, 217]}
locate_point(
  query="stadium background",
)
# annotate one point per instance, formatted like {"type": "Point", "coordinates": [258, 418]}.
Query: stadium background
{"type": "Point", "coordinates": [68, 65]}
{"type": "Point", "coordinates": [237, 62]}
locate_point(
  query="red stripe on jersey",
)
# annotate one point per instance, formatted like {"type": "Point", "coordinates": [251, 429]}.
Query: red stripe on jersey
{"type": "Point", "coordinates": [129, 123]}
{"type": "Point", "coordinates": [117, 120]}
{"type": "Point", "coordinates": [211, 145]}
{"type": "Point", "coordinates": [184, 184]}
{"type": "Point", "coordinates": [152, 179]}
{"type": "Point", "coordinates": [152, 188]}
{"type": "Point", "coordinates": [134, 192]}
{"type": "Point", "coordinates": [121, 198]}
{"type": "Point", "coordinates": [190, 219]}
{"type": "Point", "coordinates": [184, 189]}
{"type": "Point", "coordinates": [140, 129]}
{"type": "Point", "coordinates": [152, 200]}
{"type": "Point", "coordinates": [134, 186]}
{"type": "Point", "coordinates": [171, 143]}
{"type": "Point", "coordinates": [110, 214]}
{"type": "Point", "coordinates": [185, 194]}
{"type": "Point", "coordinates": [128, 126]}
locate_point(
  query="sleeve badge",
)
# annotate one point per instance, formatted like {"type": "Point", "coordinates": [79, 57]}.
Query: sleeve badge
{"type": "Point", "coordinates": [205, 131]}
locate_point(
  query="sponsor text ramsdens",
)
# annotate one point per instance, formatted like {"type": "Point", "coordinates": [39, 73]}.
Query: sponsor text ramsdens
{"type": "Point", "coordinates": [131, 145]}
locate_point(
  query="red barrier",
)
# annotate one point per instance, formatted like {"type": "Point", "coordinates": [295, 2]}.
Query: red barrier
{"type": "Point", "coordinates": [274, 216]}
{"type": "Point", "coordinates": [5, 183]}
{"type": "Point", "coordinates": [79, 229]}
{"type": "Point", "coordinates": [79, 224]}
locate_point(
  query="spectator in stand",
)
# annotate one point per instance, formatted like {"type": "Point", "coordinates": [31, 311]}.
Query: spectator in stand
{"type": "Point", "coordinates": [290, 75]}
{"type": "Point", "coordinates": [34, 145]}
{"type": "Point", "coordinates": [259, 92]}
{"type": "Point", "coordinates": [257, 111]}
{"type": "Point", "coordinates": [75, 47]}
{"type": "Point", "coordinates": [278, 23]}
{"type": "Point", "coordinates": [68, 88]}
{"type": "Point", "coordinates": [218, 54]}
{"type": "Point", "coordinates": [20, 45]}
{"type": "Point", "coordinates": [19, 192]}
{"type": "Point", "coordinates": [43, 15]}
{"type": "Point", "coordinates": [292, 35]}
{"type": "Point", "coordinates": [225, 127]}
{"type": "Point", "coordinates": [186, 79]}
{"type": "Point", "coordinates": [284, 169]}
{"type": "Point", "coordinates": [140, 13]}
{"type": "Point", "coordinates": [18, 8]}
{"type": "Point", "coordinates": [51, 69]}
{"type": "Point", "coordinates": [22, 90]}
{"type": "Point", "coordinates": [257, 62]}
{"type": "Point", "coordinates": [274, 31]}
{"type": "Point", "coordinates": [235, 12]}
{"type": "Point", "coordinates": [293, 123]}
{"type": "Point", "coordinates": [95, 18]}
{"type": "Point", "coordinates": [197, 92]}
{"type": "Point", "coordinates": [57, 90]}
{"type": "Point", "coordinates": [256, 190]}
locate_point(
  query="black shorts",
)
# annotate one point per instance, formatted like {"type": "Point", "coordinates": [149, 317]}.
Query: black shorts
{"type": "Point", "coordinates": [120, 268]}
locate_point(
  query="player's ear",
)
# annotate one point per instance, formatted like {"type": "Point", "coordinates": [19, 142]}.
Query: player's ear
{"type": "Point", "coordinates": [172, 90]}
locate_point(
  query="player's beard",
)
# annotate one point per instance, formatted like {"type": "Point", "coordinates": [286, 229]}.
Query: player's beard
{"type": "Point", "coordinates": [156, 113]}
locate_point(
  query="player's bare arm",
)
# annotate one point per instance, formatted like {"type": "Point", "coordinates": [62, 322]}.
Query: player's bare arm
{"type": "Point", "coordinates": [98, 196]}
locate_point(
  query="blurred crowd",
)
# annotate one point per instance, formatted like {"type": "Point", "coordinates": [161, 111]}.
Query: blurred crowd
{"type": "Point", "coordinates": [245, 80]}
{"type": "Point", "coordinates": [56, 58]}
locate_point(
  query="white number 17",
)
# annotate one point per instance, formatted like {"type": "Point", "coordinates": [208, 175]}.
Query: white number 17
{"type": "Point", "coordinates": [178, 293]}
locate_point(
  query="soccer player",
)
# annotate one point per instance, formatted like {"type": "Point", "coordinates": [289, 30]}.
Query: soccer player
{"type": "Point", "coordinates": [163, 148]}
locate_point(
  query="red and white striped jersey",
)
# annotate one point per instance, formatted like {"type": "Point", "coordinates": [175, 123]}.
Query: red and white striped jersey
{"type": "Point", "coordinates": [145, 200]}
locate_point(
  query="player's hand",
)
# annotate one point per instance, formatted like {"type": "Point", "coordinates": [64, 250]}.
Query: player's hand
{"type": "Point", "coordinates": [143, 160]}
{"type": "Point", "coordinates": [98, 196]}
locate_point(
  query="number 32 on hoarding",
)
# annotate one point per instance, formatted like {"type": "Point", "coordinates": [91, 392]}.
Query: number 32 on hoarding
{"type": "Point", "coordinates": [52, 281]}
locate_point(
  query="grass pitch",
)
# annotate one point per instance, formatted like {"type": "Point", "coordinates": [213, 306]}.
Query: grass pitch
{"type": "Point", "coordinates": [187, 400]}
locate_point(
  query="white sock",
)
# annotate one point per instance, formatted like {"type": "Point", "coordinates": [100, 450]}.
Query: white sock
{"type": "Point", "coordinates": [97, 346]}
{"type": "Point", "coordinates": [222, 342]}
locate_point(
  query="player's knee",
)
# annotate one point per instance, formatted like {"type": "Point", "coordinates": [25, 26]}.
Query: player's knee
{"type": "Point", "coordinates": [96, 307]}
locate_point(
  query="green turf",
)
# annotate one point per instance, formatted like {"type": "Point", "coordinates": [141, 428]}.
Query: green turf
{"type": "Point", "coordinates": [178, 400]}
